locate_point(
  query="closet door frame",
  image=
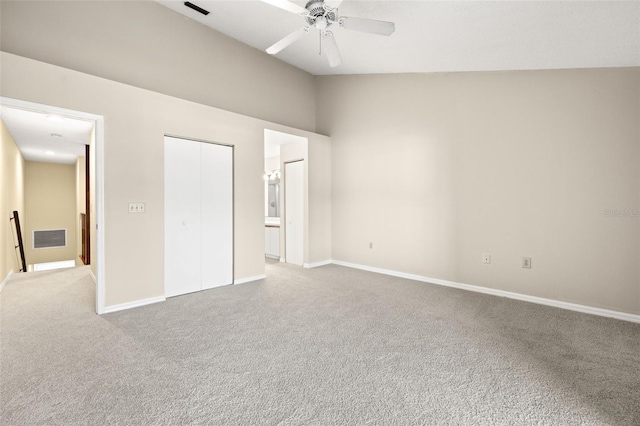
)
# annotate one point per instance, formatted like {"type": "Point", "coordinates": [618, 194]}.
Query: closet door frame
{"type": "Point", "coordinates": [233, 194]}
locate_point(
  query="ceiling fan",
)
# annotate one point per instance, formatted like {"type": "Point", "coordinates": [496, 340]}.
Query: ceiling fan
{"type": "Point", "coordinates": [322, 14]}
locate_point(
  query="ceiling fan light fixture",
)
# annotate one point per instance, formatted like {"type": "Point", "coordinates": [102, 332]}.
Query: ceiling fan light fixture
{"type": "Point", "coordinates": [321, 23]}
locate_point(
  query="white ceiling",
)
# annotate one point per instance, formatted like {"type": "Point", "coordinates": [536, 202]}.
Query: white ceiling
{"type": "Point", "coordinates": [32, 132]}
{"type": "Point", "coordinates": [445, 36]}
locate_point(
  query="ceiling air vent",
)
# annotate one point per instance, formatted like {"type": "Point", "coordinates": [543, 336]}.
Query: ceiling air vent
{"type": "Point", "coordinates": [196, 8]}
{"type": "Point", "coordinates": [49, 238]}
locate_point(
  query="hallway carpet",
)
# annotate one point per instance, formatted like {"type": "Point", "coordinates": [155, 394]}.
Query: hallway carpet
{"type": "Point", "coordinates": [324, 346]}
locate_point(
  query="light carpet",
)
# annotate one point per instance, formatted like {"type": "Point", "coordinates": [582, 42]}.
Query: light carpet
{"type": "Point", "coordinates": [326, 346]}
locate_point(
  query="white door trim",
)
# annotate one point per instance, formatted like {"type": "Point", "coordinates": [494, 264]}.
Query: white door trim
{"type": "Point", "coordinates": [98, 184]}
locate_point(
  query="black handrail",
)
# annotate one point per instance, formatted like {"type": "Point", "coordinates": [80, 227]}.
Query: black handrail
{"type": "Point", "coordinates": [16, 221]}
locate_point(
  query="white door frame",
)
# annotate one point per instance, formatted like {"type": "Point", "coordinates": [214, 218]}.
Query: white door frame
{"type": "Point", "coordinates": [98, 184]}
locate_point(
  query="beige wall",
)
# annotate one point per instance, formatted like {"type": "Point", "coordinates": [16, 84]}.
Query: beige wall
{"type": "Point", "coordinates": [433, 169]}
{"type": "Point", "coordinates": [135, 123]}
{"type": "Point", "coordinates": [272, 163]}
{"type": "Point", "coordinates": [50, 203]}
{"type": "Point", "coordinates": [11, 198]}
{"type": "Point", "coordinates": [319, 203]}
{"type": "Point", "coordinates": [437, 169]}
{"type": "Point", "coordinates": [147, 45]}
{"type": "Point", "coordinates": [80, 203]}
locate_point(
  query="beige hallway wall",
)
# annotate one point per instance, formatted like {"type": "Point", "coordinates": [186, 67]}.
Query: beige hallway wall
{"type": "Point", "coordinates": [50, 203]}
{"type": "Point", "coordinates": [136, 121]}
{"type": "Point", "coordinates": [150, 46]}
{"type": "Point", "coordinates": [11, 198]}
{"type": "Point", "coordinates": [437, 169]}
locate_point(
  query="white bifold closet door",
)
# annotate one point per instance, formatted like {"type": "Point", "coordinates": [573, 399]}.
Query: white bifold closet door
{"type": "Point", "coordinates": [294, 212]}
{"type": "Point", "coordinates": [198, 216]}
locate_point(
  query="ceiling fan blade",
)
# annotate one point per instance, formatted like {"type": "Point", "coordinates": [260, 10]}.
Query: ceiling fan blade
{"type": "Point", "coordinates": [331, 49]}
{"type": "Point", "coordinates": [368, 25]}
{"type": "Point", "coordinates": [333, 4]}
{"type": "Point", "coordinates": [288, 40]}
{"type": "Point", "coordinates": [288, 6]}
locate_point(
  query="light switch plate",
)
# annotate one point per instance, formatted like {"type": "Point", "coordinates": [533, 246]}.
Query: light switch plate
{"type": "Point", "coordinates": [136, 207]}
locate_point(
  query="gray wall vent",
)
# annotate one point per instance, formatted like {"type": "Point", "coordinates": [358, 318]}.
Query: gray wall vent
{"type": "Point", "coordinates": [49, 238]}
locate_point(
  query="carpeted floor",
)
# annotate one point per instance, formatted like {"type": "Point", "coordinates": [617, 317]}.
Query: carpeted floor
{"type": "Point", "coordinates": [324, 346]}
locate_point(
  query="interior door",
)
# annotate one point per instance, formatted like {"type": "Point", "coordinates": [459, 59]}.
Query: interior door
{"type": "Point", "coordinates": [294, 222]}
{"type": "Point", "coordinates": [182, 199]}
{"type": "Point", "coordinates": [217, 215]}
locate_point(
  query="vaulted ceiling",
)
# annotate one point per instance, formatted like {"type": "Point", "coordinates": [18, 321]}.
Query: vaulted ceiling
{"type": "Point", "coordinates": [444, 36]}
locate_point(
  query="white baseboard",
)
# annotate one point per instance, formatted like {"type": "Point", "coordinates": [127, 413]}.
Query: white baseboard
{"type": "Point", "coordinates": [134, 304]}
{"type": "Point", "coordinates": [6, 279]}
{"type": "Point", "coordinates": [249, 279]}
{"type": "Point", "coordinates": [93, 277]}
{"type": "Point", "coordinates": [501, 293]}
{"type": "Point", "coordinates": [316, 264]}
{"type": "Point", "coordinates": [272, 256]}
{"type": "Point", "coordinates": [283, 260]}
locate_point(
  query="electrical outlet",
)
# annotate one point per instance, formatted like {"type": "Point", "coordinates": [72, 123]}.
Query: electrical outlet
{"type": "Point", "coordinates": [136, 207]}
{"type": "Point", "coordinates": [370, 245]}
{"type": "Point", "coordinates": [486, 258]}
{"type": "Point", "coordinates": [526, 262]}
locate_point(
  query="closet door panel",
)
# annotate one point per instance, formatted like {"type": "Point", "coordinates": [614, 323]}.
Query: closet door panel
{"type": "Point", "coordinates": [182, 248]}
{"type": "Point", "coordinates": [294, 210]}
{"type": "Point", "coordinates": [217, 215]}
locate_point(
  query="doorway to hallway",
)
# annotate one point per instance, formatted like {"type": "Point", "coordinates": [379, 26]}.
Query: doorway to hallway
{"type": "Point", "coordinates": [60, 187]}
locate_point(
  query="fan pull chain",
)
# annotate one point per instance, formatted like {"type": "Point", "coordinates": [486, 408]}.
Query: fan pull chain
{"type": "Point", "coordinates": [320, 43]}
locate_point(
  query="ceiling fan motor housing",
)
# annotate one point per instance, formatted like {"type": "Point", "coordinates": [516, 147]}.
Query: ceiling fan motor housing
{"type": "Point", "coordinates": [317, 9]}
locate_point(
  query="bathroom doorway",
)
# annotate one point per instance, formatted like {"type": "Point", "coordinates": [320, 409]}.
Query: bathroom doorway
{"type": "Point", "coordinates": [279, 149]}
